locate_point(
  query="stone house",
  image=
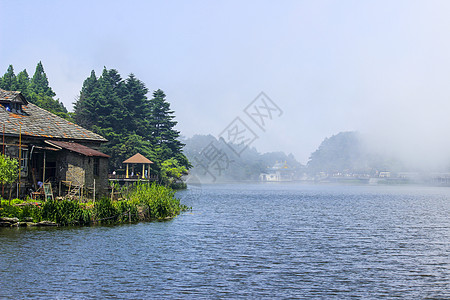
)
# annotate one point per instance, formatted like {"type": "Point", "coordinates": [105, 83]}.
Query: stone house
{"type": "Point", "coordinates": [50, 148]}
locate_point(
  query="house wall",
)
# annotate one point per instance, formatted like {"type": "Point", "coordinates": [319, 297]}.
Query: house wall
{"type": "Point", "coordinates": [80, 170]}
{"type": "Point", "coordinates": [73, 167]}
{"type": "Point", "coordinates": [70, 166]}
{"type": "Point", "coordinates": [101, 180]}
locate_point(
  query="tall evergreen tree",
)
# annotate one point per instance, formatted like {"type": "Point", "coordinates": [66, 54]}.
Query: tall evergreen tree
{"type": "Point", "coordinates": [138, 108]}
{"type": "Point", "coordinates": [108, 106]}
{"type": "Point", "coordinates": [162, 123]}
{"type": "Point", "coordinates": [23, 83]}
{"type": "Point", "coordinates": [41, 94]}
{"type": "Point", "coordinates": [9, 80]}
{"type": "Point", "coordinates": [84, 107]}
{"type": "Point", "coordinates": [39, 82]}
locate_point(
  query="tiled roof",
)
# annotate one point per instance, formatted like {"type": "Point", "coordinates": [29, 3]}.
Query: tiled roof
{"type": "Point", "coordinates": [12, 96]}
{"type": "Point", "coordinates": [138, 159]}
{"type": "Point", "coordinates": [75, 147]}
{"type": "Point", "coordinates": [38, 122]}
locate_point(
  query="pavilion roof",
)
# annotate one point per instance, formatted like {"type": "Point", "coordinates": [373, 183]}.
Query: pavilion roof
{"type": "Point", "coordinates": [137, 159]}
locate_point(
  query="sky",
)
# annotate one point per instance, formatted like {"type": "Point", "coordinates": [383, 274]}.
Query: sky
{"type": "Point", "coordinates": [378, 67]}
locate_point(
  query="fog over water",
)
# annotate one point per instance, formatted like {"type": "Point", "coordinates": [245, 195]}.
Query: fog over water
{"type": "Point", "coordinates": [377, 67]}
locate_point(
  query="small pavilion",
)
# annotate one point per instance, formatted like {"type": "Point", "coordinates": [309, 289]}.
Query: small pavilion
{"type": "Point", "coordinates": [138, 159]}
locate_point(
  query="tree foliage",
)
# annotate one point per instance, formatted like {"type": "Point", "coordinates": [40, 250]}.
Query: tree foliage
{"type": "Point", "coordinates": [120, 111]}
{"type": "Point", "coordinates": [36, 90]}
{"type": "Point", "coordinates": [8, 169]}
{"type": "Point", "coordinates": [9, 80]}
{"type": "Point", "coordinates": [171, 171]}
{"type": "Point", "coordinates": [337, 154]}
{"type": "Point", "coordinates": [348, 153]}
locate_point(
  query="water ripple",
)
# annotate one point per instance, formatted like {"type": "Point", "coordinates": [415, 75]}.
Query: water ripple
{"type": "Point", "coordinates": [257, 241]}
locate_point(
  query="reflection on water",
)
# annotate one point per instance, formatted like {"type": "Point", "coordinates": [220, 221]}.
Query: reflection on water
{"type": "Point", "coordinates": [247, 241]}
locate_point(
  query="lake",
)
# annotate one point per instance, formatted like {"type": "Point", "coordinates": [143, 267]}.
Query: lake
{"type": "Point", "coordinates": [247, 241]}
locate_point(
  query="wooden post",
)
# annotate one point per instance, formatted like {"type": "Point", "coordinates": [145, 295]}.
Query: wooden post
{"type": "Point", "coordinates": [3, 152]}
{"type": "Point", "coordinates": [126, 176]}
{"type": "Point", "coordinates": [43, 172]}
{"type": "Point", "coordinates": [20, 159]}
{"type": "Point", "coordinates": [94, 190]}
{"type": "Point", "coordinates": [143, 171]}
{"type": "Point", "coordinates": [3, 148]}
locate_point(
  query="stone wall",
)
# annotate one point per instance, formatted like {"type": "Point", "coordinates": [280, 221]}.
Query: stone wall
{"type": "Point", "coordinates": [76, 168]}
{"type": "Point", "coordinates": [80, 170]}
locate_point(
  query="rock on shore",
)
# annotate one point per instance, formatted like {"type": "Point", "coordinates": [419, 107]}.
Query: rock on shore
{"type": "Point", "coordinates": [14, 222]}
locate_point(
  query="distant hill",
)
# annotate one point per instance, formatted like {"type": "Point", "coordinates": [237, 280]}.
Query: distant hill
{"type": "Point", "coordinates": [348, 153]}
{"type": "Point", "coordinates": [214, 160]}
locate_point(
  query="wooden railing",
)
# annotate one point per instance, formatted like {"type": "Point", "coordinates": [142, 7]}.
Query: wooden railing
{"type": "Point", "coordinates": [134, 177]}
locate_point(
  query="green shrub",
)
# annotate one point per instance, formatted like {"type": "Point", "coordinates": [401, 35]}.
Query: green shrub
{"type": "Point", "coordinates": [158, 202]}
{"type": "Point", "coordinates": [10, 211]}
{"type": "Point", "coordinates": [21, 212]}
{"type": "Point", "coordinates": [126, 209]}
{"type": "Point", "coordinates": [31, 211]}
{"type": "Point", "coordinates": [179, 185]}
{"type": "Point", "coordinates": [104, 211]}
{"type": "Point", "coordinates": [65, 212]}
{"type": "Point", "coordinates": [16, 201]}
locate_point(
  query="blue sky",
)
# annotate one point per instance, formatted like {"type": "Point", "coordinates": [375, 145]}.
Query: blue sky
{"type": "Point", "coordinates": [379, 67]}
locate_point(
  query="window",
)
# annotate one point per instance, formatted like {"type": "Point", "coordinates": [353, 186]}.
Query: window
{"type": "Point", "coordinates": [13, 107]}
{"type": "Point", "coordinates": [24, 161]}
{"type": "Point", "coordinates": [96, 166]}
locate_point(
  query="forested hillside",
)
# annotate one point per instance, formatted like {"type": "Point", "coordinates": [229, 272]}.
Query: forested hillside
{"type": "Point", "coordinates": [348, 153]}
{"type": "Point", "coordinates": [214, 160]}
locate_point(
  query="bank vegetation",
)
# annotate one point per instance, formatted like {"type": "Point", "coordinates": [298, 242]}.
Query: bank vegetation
{"type": "Point", "coordinates": [142, 202]}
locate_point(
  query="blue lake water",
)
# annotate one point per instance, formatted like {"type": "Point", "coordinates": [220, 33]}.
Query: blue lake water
{"type": "Point", "coordinates": [247, 241]}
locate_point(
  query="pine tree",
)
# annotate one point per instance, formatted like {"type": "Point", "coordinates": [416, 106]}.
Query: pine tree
{"type": "Point", "coordinates": [84, 107]}
{"type": "Point", "coordinates": [39, 83]}
{"type": "Point", "coordinates": [108, 107]}
{"type": "Point", "coordinates": [138, 107]}
{"type": "Point", "coordinates": [9, 81]}
{"type": "Point", "coordinates": [162, 123]}
{"type": "Point", "coordinates": [23, 83]}
{"type": "Point", "coordinates": [41, 94]}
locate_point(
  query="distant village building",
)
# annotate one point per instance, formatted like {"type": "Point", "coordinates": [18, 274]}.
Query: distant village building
{"type": "Point", "coordinates": [440, 178]}
{"type": "Point", "coordinates": [50, 148]}
{"type": "Point", "coordinates": [384, 174]}
{"type": "Point", "coordinates": [277, 173]}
